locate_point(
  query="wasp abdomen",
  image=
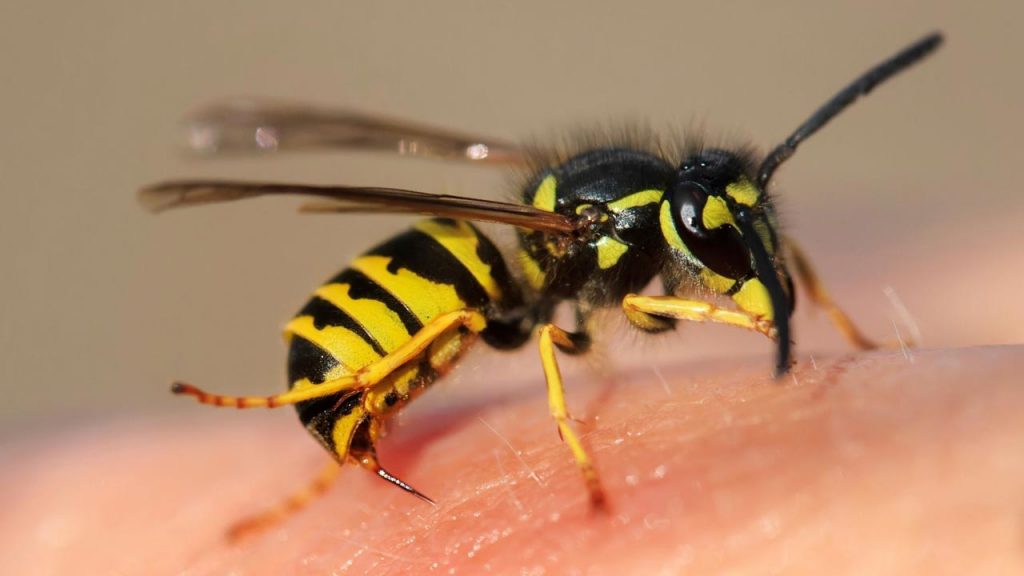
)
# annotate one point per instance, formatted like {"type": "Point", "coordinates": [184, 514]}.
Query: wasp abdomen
{"type": "Point", "coordinates": [380, 302]}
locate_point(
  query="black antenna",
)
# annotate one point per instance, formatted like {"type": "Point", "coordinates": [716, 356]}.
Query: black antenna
{"type": "Point", "coordinates": [859, 87]}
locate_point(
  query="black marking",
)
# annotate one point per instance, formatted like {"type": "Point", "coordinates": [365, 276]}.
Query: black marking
{"type": "Point", "coordinates": [326, 314]}
{"type": "Point", "coordinates": [420, 254]}
{"type": "Point", "coordinates": [603, 175]}
{"type": "Point", "coordinates": [362, 287]}
{"type": "Point", "coordinates": [511, 296]}
{"type": "Point", "coordinates": [509, 332]}
{"type": "Point", "coordinates": [307, 361]}
{"type": "Point", "coordinates": [320, 415]}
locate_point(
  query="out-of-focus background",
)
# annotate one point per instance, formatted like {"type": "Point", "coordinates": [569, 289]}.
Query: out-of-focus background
{"type": "Point", "coordinates": [102, 304]}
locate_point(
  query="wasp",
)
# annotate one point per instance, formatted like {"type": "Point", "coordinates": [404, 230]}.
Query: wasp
{"type": "Point", "coordinates": [595, 227]}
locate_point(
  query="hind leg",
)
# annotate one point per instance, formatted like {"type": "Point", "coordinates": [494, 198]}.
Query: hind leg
{"type": "Point", "coordinates": [348, 424]}
{"type": "Point", "coordinates": [439, 327]}
{"type": "Point", "coordinates": [819, 295]}
{"type": "Point", "coordinates": [290, 505]}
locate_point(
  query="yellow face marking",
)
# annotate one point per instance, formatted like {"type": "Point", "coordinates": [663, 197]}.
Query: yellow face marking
{"type": "Point", "coordinates": [374, 316]}
{"type": "Point", "coordinates": [426, 299]}
{"type": "Point", "coordinates": [344, 429]}
{"type": "Point", "coordinates": [716, 213]}
{"type": "Point", "coordinates": [716, 281]}
{"type": "Point", "coordinates": [636, 199]}
{"type": "Point", "coordinates": [344, 345]}
{"type": "Point", "coordinates": [532, 273]}
{"type": "Point", "coordinates": [753, 298]}
{"type": "Point", "coordinates": [668, 229]}
{"type": "Point", "coordinates": [609, 250]}
{"type": "Point", "coordinates": [462, 242]}
{"type": "Point", "coordinates": [743, 192]}
{"type": "Point", "coordinates": [544, 197]}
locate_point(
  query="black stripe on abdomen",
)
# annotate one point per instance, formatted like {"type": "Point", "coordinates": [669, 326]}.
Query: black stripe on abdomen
{"type": "Point", "coordinates": [326, 314]}
{"type": "Point", "coordinates": [362, 287]}
{"type": "Point", "coordinates": [422, 255]}
{"type": "Point", "coordinates": [307, 361]}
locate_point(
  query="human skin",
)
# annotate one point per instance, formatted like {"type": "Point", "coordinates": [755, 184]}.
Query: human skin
{"type": "Point", "coordinates": [879, 463]}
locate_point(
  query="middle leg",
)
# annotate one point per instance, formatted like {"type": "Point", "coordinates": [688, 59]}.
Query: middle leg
{"type": "Point", "coordinates": [552, 337]}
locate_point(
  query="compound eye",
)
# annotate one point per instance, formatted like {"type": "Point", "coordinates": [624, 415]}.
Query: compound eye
{"type": "Point", "coordinates": [688, 202]}
{"type": "Point", "coordinates": [720, 249]}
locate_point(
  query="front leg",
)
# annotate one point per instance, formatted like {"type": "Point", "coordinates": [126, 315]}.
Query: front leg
{"type": "Point", "coordinates": [649, 313]}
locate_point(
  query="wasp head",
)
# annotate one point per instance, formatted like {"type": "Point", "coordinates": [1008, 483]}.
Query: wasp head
{"type": "Point", "coordinates": [722, 226]}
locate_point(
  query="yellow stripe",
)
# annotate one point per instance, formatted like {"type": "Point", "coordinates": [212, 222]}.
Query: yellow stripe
{"type": "Point", "coordinates": [715, 281]}
{"type": "Point", "coordinates": [344, 428]}
{"type": "Point", "coordinates": [400, 382]}
{"type": "Point", "coordinates": [531, 270]}
{"type": "Point", "coordinates": [716, 213]}
{"type": "Point", "coordinates": [379, 321]}
{"type": "Point", "coordinates": [753, 297]}
{"type": "Point", "coordinates": [462, 242]}
{"type": "Point", "coordinates": [609, 250]}
{"type": "Point", "coordinates": [641, 198]}
{"type": "Point", "coordinates": [426, 299]}
{"type": "Point", "coordinates": [669, 231]}
{"type": "Point", "coordinates": [344, 345]}
{"type": "Point", "coordinates": [743, 191]}
{"type": "Point", "coordinates": [544, 197]}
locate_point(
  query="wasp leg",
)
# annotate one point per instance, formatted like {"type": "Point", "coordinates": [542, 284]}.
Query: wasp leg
{"type": "Point", "coordinates": [295, 502]}
{"type": "Point", "coordinates": [293, 396]}
{"type": "Point", "coordinates": [646, 312]}
{"type": "Point", "coordinates": [820, 296]}
{"type": "Point", "coordinates": [364, 378]}
{"type": "Point", "coordinates": [342, 424]}
{"type": "Point", "coordinates": [552, 337]}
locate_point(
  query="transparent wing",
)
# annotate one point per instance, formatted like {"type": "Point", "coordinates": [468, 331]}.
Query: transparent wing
{"type": "Point", "coordinates": [248, 126]}
{"type": "Point", "coordinates": [167, 195]}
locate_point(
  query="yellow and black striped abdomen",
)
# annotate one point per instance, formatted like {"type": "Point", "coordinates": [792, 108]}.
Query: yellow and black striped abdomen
{"type": "Point", "coordinates": [378, 303]}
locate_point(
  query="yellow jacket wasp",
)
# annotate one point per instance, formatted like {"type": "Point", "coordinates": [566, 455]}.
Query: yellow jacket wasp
{"type": "Point", "coordinates": [595, 227]}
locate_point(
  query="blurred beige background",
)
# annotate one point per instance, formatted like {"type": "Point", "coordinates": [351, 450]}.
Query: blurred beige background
{"type": "Point", "coordinates": [102, 304]}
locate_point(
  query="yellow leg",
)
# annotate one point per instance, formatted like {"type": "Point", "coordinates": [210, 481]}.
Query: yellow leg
{"type": "Point", "coordinates": [640, 309]}
{"type": "Point", "coordinates": [287, 507]}
{"type": "Point", "coordinates": [552, 336]}
{"type": "Point", "coordinates": [368, 376]}
{"type": "Point", "coordinates": [819, 295]}
{"type": "Point", "coordinates": [290, 397]}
